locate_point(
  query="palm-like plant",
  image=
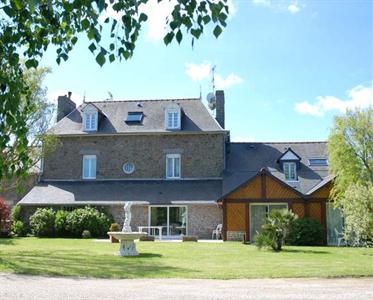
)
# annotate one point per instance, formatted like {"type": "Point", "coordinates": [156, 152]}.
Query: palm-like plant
{"type": "Point", "coordinates": [275, 229]}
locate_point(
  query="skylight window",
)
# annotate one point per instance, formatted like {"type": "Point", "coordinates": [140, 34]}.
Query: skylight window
{"type": "Point", "coordinates": [318, 162]}
{"type": "Point", "coordinates": [135, 117]}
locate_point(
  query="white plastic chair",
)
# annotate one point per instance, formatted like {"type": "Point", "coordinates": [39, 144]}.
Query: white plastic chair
{"type": "Point", "coordinates": [339, 236]}
{"type": "Point", "coordinates": [217, 232]}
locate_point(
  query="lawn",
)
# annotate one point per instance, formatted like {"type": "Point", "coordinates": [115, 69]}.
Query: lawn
{"type": "Point", "coordinates": [87, 258]}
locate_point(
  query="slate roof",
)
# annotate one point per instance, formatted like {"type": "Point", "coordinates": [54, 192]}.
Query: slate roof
{"type": "Point", "coordinates": [111, 192]}
{"type": "Point", "coordinates": [195, 117]}
{"type": "Point", "coordinates": [245, 160]}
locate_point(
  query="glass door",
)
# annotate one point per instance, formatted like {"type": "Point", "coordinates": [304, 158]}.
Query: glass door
{"type": "Point", "coordinates": [334, 224]}
{"type": "Point", "coordinates": [158, 217]}
{"type": "Point", "coordinates": [173, 219]}
{"type": "Point", "coordinates": [258, 213]}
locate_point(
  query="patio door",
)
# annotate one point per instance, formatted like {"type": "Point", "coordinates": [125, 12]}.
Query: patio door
{"type": "Point", "coordinates": [173, 219]}
{"type": "Point", "coordinates": [334, 223]}
{"type": "Point", "coordinates": [258, 213]}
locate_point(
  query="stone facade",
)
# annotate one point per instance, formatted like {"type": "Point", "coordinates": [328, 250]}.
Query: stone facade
{"type": "Point", "coordinates": [235, 235]}
{"type": "Point", "coordinates": [139, 215]}
{"type": "Point", "coordinates": [203, 219]}
{"type": "Point", "coordinates": [202, 155]}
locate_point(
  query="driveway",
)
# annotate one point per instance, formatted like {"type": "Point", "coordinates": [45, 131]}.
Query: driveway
{"type": "Point", "coordinates": [36, 287]}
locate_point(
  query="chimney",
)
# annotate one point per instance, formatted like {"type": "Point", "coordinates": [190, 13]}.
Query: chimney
{"type": "Point", "coordinates": [64, 106]}
{"type": "Point", "coordinates": [220, 111]}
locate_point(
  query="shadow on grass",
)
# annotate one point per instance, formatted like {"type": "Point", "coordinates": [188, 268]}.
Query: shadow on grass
{"type": "Point", "coordinates": [305, 251]}
{"type": "Point", "coordinates": [6, 241]}
{"type": "Point", "coordinates": [146, 265]}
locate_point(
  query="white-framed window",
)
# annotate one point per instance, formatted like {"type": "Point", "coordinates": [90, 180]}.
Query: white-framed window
{"type": "Point", "coordinates": [90, 121]}
{"type": "Point", "coordinates": [172, 118]}
{"type": "Point", "coordinates": [89, 166]}
{"type": "Point", "coordinates": [290, 171]}
{"type": "Point", "coordinates": [173, 166]}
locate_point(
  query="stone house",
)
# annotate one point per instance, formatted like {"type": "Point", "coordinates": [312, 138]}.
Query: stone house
{"type": "Point", "coordinates": [175, 161]}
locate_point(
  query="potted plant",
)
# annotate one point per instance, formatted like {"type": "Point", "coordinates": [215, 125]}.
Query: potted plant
{"type": "Point", "coordinates": [114, 227]}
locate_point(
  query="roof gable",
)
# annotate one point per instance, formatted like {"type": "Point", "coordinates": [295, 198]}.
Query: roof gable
{"type": "Point", "coordinates": [289, 154]}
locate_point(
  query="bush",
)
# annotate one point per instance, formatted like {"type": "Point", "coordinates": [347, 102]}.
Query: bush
{"type": "Point", "coordinates": [87, 218]}
{"type": "Point", "coordinates": [16, 213]}
{"type": "Point", "coordinates": [42, 222]}
{"type": "Point", "coordinates": [86, 234]}
{"type": "Point", "coordinates": [275, 229]}
{"type": "Point", "coordinates": [19, 228]}
{"type": "Point", "coordinates": [60, 223]}
{"type": "Point", "coordinates": [305, 232]}
{"type": "Point", "coordinates": [4, 218]}
{"type": "Point", "coordinates": [114, 227]}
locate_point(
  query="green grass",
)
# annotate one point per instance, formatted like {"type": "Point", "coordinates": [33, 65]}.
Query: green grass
{"type": "Point", "coordinates": [87, 258]}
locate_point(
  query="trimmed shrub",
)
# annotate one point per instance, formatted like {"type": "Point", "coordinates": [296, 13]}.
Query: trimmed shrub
{"type": "Point", "coordinates": [88, 218]}
{"type": "Point", "coordinates": [114, 227]}
{"type": "Point", "coordinates": [305, 232]}
{"type": "Point", "coordinates": [86, 234]}
{"type": "Point", "coordinates": [4, 218]}
{"type": "Point", "coordinates": [16, 213]}
{"type": "Point", "coordinates": [42, 222]}
{"type": "Point", "coordinates": [19, 228]}
{"type": "Point", "coordinates": [60, 223]}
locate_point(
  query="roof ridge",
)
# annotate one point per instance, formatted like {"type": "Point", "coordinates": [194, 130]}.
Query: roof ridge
{"type": "Point", "coordinates": [139, 100]}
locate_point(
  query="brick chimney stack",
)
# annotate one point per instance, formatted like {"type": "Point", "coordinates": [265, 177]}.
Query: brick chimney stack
{"type": "Point", "coordinates": [220, 109]}
{"type": "Point", "coordinates": [64, 106]}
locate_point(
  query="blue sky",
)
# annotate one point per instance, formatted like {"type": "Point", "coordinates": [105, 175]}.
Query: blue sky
{"type": "Point", "coordinates": [287, 67]}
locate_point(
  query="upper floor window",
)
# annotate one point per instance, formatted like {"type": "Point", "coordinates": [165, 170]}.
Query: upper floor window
{"type": "Point", "coordinates": [290, 171]}
{"type": "Point", "coordinates": [89, 166]}
{"type": "Point", "coordinates": [90, 121]}
{"type": "Point", "coordinates": [172, 118]}
{"type": "Point", "coordinates": [173, 166]}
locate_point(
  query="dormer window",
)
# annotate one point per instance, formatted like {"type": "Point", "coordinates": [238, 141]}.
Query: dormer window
{"type": "Point", "coordinates": [172, 118]}
{"type": "Point", "coordinates": [290, 171]}
{"type": "Point", "coordinates": [90, 118]}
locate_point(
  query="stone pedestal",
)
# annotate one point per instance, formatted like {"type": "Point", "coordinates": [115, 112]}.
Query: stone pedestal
{"type": "Point", "coordinates": [127, 248]}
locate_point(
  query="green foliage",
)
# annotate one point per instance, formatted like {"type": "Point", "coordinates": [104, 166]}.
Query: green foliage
{"type": "Point", "coordinates": [358, 212]}
{"type": "Point", "coordinates": [33, 26]}
{"type": "Point", "coordinates": [275, 229]}
{"type": "Point", "coordinates": [4, 217]}
{"type": "Point", "coordinates": [42, 222]}
{"type": "Point", "coordinates": [19, 228]}
{"type": "Point", "coordinates": [88, 218]}
{"type": "Point", "coordinates": [86, 234]}
{"type": "Point", "coordinates": [305, 232]}
{"type": "Point", "coordinates": [16, 213]}
{"type": "Point", "coordinates": [350, 149]}
{"type": "Point", "coordinates": [114, 227]}
{"type": "Point", "coordinates": [60, 223]}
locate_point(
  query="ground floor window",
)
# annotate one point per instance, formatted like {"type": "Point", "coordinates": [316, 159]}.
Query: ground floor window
{"type": "Point", "coordinates": [334, 224]}
{"type": "Point", "coordinates": [173, 219]}
{"type": "Point", "coordinates": [258, 213]}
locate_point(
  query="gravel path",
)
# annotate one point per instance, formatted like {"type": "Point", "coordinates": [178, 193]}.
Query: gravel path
{"type": "Point", "coordinates": [36, 287]}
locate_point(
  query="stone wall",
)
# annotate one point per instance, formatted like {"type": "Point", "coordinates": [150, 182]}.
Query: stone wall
{"type": "Point", "coordinates": [203, 219]}
{"type": "Point", "coordinates": [235, 235]}
{"type": "Point", "coordinates": [202, 155]}
{"type": "Point", "coordinates": [139, 215]}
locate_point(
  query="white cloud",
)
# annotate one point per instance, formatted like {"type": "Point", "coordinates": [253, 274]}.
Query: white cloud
{"type": "Point", "coordinates": [225, 83]}
{"type": "Point", "coordinates": [358, 97]}
{"type": "Point", "coordinates": [262, 2]}
{"type": "Point", "coordinates": [293, 8]}
{"type": "Point", "coordinates": [280, 5]}
{"type": "Point", "coordinates": [198, 72]}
